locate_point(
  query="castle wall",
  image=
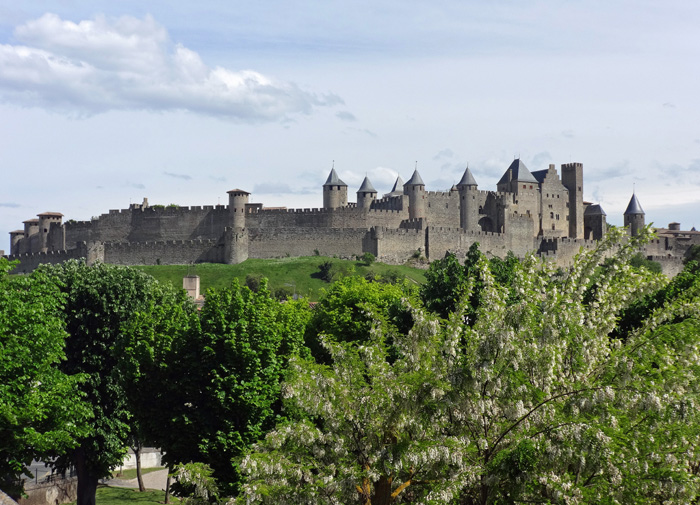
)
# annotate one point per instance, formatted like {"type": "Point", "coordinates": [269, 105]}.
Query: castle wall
{"type": "Point", "coordinates": [348, 217]}
{"type": "Point", "coordinates": [670, 265]}
{"type": "Point", "coordinates": [171, 252]}
{"type": "Point", "coordinates": [281, 242]}
{"type": "Point", "coordinates": [30, 261]}
{"type": "Point", "coordinates": [442, 209]}
{"type": "Point", "coordinates": [394, 246]}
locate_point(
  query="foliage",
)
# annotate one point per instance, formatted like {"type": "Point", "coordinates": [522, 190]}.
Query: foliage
{"type": "Point", "coordinates": [641, 261]}
{"type": "Point", "coordinates": [447, 281]}
{"type": "Point", "coordinates": [366, 259]}
{"type": "Point", "coordinates": [196, 485]}
{"type": "Point", "coordinates": [220, 386]}
{"type": "Point", "coordinates": [352, 306]}
{"type": "Point", "coordinates": [533, 402]}
{"type": "Point", "coordinates": [253, 281]}
{"type": "Point", "coordinates": [107, 495]}
{"type": "Point", "coordinates": [692, 255]}
{"type": "Point", "coordinates": [100, 302]}
{"type": "Point", "coordinates": [41, 411]}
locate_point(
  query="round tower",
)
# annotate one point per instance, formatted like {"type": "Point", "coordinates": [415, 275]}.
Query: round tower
{"type": "Point", "coordinates": [468, 205]}
{"type": "Point", "coordinates": [415, 189]}
{"type": "Point", "coordinates": [46, 219]}
{"type": "Point", "coordinates": [335, 192]}
{"type": "Point", "coordinates": [634, 216]}
{"type": "Point", "coordinates": [366, 195]}
{"type": "Point", "coordinates": [237, 200]}
{"type": "Point", "coordinates": [15, 237]}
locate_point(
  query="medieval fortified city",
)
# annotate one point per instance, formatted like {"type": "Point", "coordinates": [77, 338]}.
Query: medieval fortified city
{"type": "Point", "coordinates": [540, 211]}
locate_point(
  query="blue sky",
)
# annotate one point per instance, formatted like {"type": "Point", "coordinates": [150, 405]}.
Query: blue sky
{"type": "Point", "coordinates": [105, 103]}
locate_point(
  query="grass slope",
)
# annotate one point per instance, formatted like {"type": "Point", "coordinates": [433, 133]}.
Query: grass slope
{"type": "Point", "coordinates": [298, 274]}
{"type": "Point", "coordinates": [107, 495]}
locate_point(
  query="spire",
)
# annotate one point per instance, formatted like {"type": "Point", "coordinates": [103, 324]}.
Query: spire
{"type": "Point", "coordinates": [398, 185]}
{"type": "Point", "coordinates": [366, 187]}
{"type": "Point", "coordinates": [634, 207]}
{"type": "Point", "coordinates": [333, 179]}
{"type": "Point", "coordinates": [415, 179]}
{"type": "Point", "coordinates": [467, 179]}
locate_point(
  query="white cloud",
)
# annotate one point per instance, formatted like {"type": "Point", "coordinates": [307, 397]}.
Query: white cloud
{"type": "Point", "coordinates": [128, 63]}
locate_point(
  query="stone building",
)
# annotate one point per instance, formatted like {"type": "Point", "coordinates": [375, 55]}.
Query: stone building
{"type": "Point", "coordinates": [537, 211]}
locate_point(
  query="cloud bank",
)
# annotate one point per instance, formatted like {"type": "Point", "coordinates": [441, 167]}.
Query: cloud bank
{"type": "Point", "coordinates": [128, 63]}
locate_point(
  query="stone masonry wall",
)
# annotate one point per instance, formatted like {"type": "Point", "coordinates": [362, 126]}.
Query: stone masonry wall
{"type": "Point", "coordinates": [282, 242]}
{"type": "Point", "coordinates": [171, 252]}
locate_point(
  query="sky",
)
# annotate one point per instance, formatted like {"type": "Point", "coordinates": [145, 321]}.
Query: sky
{"type": "Point", "coordinates": [106, 103]}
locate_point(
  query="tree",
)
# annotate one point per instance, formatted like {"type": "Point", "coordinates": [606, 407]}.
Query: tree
{"type": "Point", "coordinates": [535, 401]}
{"type": "Point", "coordinates": [100, 302]}
{"type": "Point", "coordinates": [350, 308]}
{"type": "Point", "coordinates": [41, 411]}
{"type": "Point", "coordinates": [220, 386]}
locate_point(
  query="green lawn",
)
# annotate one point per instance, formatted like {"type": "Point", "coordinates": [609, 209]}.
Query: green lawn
{"type": "Point", "coordinates": [107, 495]}
{"type": "Point", "coordinates": [298, 274]}
{"type": "Point", "coordinates": [131, 473]}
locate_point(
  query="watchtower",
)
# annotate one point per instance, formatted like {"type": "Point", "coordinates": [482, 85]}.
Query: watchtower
{"type": "Point", "coordinates": [415, 189]}
{"type": "Point", "coordinates": [572, 179]}
{"type": "Point", "coordinates": [366, 195]}
{"type": "Point", "coordinates": [237, 200]}
{"type": "Point", "coordinates": [634, 216]}
{"type": "Point", "coordinates": [468, 205]}
{"type": "Point", "coordinates": [335, 192]}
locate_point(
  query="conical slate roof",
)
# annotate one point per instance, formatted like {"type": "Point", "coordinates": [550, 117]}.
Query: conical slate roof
{"type": "Point", "coordinates": [634, 207]}
{"type": "Point", "coordinates": [366, 187]}
{"type": "Point", "coordinates": [467, 179]}
{"type": "Point", "coordinates": [415, 180]}
{"type": "Point", "coordinates": [518, 172]}
{"type": "Point", "coordinates": [398, 185]}
{"type": "Point", "coordinates": [333, 179]}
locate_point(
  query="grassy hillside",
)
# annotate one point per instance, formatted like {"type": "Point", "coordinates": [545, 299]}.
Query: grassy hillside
{"type": "Point", "coordinates": [300, 275]}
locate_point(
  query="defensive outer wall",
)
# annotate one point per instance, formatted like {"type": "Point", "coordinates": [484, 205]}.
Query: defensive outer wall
{"type": "Point", "coordinates": [531, 212]}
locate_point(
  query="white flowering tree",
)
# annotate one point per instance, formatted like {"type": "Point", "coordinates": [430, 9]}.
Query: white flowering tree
{"type": "Point", "coordinates": [532, 402]}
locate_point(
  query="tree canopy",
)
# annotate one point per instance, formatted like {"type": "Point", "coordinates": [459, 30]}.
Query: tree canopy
{"type": "Point", "coordinates": [41, 412]}
{"type": "Point", "coordinates": [533, 401]}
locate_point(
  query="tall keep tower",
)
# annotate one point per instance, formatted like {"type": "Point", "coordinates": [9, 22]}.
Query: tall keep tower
{"type": "Point", "coordinates": [572, 179]}
{"type": "Point", "coordinates": [335, 192]}
{"type": "Point", "coordinates": [468, 205]}
{"type": "Point", "coordinates": [415, 189]}
{"type": "Point", "coordinates": [634, 216]}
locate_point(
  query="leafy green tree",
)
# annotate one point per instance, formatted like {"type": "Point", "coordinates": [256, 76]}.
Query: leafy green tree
{"type": "Point", "coordinates": [534, 402]}
{"type": "Point", "coordinates": [641, 261]}
{"type": "Point", "coordinates": [350, 308]}
{"type": "Point", "coordinates": [100, 301]}
{"type": "Point", "coordinates": [41, 411]}
{"type": "Point", "coordinates": [220, 387]}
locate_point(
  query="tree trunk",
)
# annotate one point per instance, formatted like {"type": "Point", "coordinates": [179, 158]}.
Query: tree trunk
{"type": "Point", "coordinates": [137, 456]}
{"type": "Point", "coordinates": [167, 487]}
{"type": "Point", "coordinates": [382, 491]}
{"type": "Point", "coordinates": [87, 483]}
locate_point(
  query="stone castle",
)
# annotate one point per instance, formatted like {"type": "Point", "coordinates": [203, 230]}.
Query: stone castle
{"type": "Point", "coordinates": [541, 211]}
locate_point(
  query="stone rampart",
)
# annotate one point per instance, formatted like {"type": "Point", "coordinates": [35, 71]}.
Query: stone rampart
{"type": "Point", "coordinates": [169, 252]}
{"type": "Point", "coordinates": [395, 246]}
{"type": "Point", "coordinates": [282, 242]}
{"type": "Point", "coordinates": [670, 265]}
{"type": "Point", "coordinates": [30, 261]}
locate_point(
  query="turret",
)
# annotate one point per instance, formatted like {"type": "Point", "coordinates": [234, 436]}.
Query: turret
{"type": "Point", "coordinates": [572, 179]}
{"type": "Point", "coordinates": [47, 219]}
{"type": "Point", "coordinates": [516, 178]}
{"type": "Point", "coordinates": [634, 216]}
{"type": "Point", "coordinates": [468, 205]}
{"type": "Point", "coordinates": [366, 194]}
{"type": "Point", "coordinates": [397, 190]}
{"type": "Point", "coordinates": [237, 200]}
{"type": "Point", "coordinates": [595, 223]}
{"type": "Point", "coordinates": [335, 192]}
{"type": "Point", "coordinates": [415, 189]}
{"type": "Point", "coordinates": [15, 237]}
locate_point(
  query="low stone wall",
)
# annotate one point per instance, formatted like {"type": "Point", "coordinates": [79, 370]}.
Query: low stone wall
{"type": "Point", "coordinates": [50, 492]}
